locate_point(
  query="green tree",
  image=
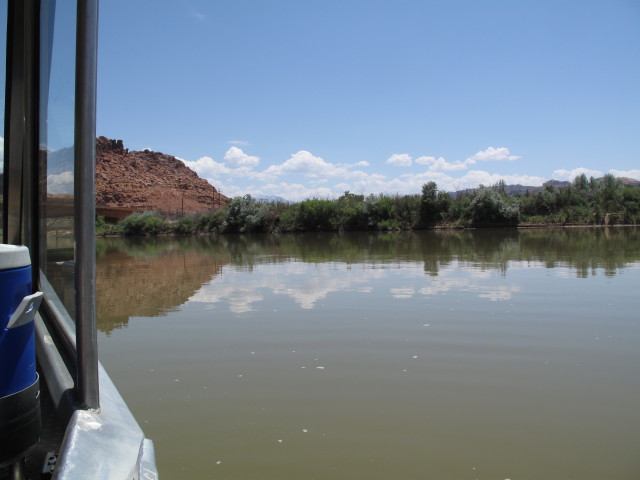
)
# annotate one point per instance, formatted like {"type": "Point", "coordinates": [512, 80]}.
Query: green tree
{"type": "Point", "coordinates": [611, 192]}
{"type": "Point", "coordinates": [631, 204]}
{"type": "Point", "coordinates": [429, 211]}
{"type": "Point", "coordinates": [381, 211]}
{"type": "Point", "coordinates": [244, 214]}
{"type": "Point", "coordinates": [350, 212]}
{"type": "Point", "coordinates": [315, 214]}
{"type": "Point", "coordinates": [489, 207]}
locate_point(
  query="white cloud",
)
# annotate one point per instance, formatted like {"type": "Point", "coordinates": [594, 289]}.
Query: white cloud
{"type": "Point", "coordinates": [492, 155]}
{"type": "Point", "coordinates": [302, 162]}
{"type": "Point", "coordinates": [304, 175]}
{"type": "Point", "coordinates": [236, 158]}
{"type": "Point", "coordinates": [240, 166]}
{"type": "Point", "coordinates": [399, 159]}
{"type": "Point", "coordinates": [570, 175]}
{"type": "Point", "coordinates": [1, 152]}
{"type": "Point", "coordinates": [308, 165]}
{"type": "Point", "coordinates": [60, 183]}
{"type": "Point", "coordinates": [439, 164]}
{"type": "Point", "coordinates": [207, 167]}
{"type": "Point", "coordinates": [626, 173]}
{"type": "Point", "coordinates": [229, 190]}
{"type": "Point", "coordinates": [427, 160]}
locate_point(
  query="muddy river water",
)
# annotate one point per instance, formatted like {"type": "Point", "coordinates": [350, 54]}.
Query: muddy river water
{"type": "Point", "coordinates": [493, 354]}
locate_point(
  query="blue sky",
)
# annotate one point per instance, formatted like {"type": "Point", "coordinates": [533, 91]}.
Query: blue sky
{"type": "Point", "coordinates": [314, 97]}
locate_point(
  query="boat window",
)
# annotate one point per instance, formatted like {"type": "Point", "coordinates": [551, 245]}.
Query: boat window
{"type": "Point", "coordinates": [56, 196]}
{"type": "Point", "coordinates": [3, 82]}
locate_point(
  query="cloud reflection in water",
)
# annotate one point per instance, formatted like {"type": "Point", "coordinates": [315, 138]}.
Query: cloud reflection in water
{"type": "Point", "coordinates": [309, 283]}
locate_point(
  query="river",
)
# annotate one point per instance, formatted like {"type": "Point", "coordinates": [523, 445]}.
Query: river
{"type": "Point", "coordinates": [489, 354]}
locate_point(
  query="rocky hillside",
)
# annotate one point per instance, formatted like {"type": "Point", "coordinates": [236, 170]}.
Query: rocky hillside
{"type": "Point", "coordinates": [146, 180]}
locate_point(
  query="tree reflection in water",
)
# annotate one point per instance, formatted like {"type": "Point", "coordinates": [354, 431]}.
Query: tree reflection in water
{"type": "Point", "coordinates": [153, 276]}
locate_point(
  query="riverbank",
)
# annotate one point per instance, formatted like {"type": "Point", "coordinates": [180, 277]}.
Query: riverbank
{"type": "Point", "coordinates": [585, 202]}
{"type": "Point", "coordinates": [171, 228]}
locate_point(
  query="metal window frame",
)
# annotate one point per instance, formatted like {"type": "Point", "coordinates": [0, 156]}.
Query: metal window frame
{"type": "Point", "coordinates": [84, 192]}
{"type": "Point", "coordinates": [21, 219]}
{"type": "Point", "coordinates": [102, 438]}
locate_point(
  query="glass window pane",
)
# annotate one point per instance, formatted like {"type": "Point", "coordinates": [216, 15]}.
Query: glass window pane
{"type": "Point", "coordinates": [57, 89]}
{"type": "Point", "coordinates": [3, 66]}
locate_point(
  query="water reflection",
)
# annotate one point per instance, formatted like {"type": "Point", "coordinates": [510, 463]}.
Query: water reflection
{"type": "Point", "coordinates": [152, 276]}
{"type": "Point", "coordinates": [421, 355]}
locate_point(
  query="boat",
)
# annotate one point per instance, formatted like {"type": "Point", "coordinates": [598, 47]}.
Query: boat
{"type": "Point", "coordinates": [61, 416]}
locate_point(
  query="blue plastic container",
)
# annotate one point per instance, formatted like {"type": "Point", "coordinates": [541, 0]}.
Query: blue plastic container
{"type": "Point", "coordinates": [17, 344]}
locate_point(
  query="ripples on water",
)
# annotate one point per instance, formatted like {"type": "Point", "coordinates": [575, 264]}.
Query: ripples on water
{"type": "Point", "coordinates": [491, 354]}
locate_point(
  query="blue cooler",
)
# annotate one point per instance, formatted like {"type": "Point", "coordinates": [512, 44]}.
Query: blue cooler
{"type": "Point", "coordinates": [19, 386]}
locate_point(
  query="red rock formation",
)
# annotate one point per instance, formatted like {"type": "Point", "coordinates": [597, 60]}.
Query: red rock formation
{"type": "Point", "coordinates": [150, 181]}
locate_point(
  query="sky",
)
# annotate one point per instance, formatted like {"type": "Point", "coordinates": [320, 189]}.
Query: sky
{"type": "Point", "coordinates": [312, 98]}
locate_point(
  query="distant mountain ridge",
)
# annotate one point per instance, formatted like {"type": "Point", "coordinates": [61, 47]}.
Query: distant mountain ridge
{"type": "Point", "coordinates": [270, 198]}
{"type": "Point", "coordinates": [522, 189]}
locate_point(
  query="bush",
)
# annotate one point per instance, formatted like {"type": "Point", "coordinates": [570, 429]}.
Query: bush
{"type": "Point", "coordinates": [145, 223]}
{"type": "Point", "coordinates": [407, 211]}
{"type": "Point", "coordinates": [211, 222]}
{"type": "Point", "coordinates": [381, 209]}
{"type": "Point", "coordinates": [315, 214]}
{"type": "Point", "coordinates": [489, 207]}
{"type": "Point", "coordinates": [350, 213]}
{"type": "Point", "coordinates": [105, 228]}
{"type": "Point", "coordinates": [245, 214]}
{"type": "Point", "coordinates": [186, 225]}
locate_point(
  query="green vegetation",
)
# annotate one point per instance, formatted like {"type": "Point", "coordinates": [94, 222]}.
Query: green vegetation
{"type": "Point", "coordinates": [491, 206]}
{"type": "Point", "coordinates": [145, 223]}
{"type": "Point", "coordinates": [585, 201]}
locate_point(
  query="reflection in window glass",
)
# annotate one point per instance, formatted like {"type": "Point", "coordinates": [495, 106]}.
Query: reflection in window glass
{"type": "Point", "coordinates": [3, 66]}
{"type": "Point", "coordinates": [57, 85]}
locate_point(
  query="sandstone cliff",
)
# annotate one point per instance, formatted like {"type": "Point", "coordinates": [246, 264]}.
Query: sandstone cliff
{"type": "Point", "coordinates": [146, 180]}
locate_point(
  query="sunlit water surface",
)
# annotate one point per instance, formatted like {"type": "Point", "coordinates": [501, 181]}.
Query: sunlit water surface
{"type": "Point", "coordinates": [447, 355]}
